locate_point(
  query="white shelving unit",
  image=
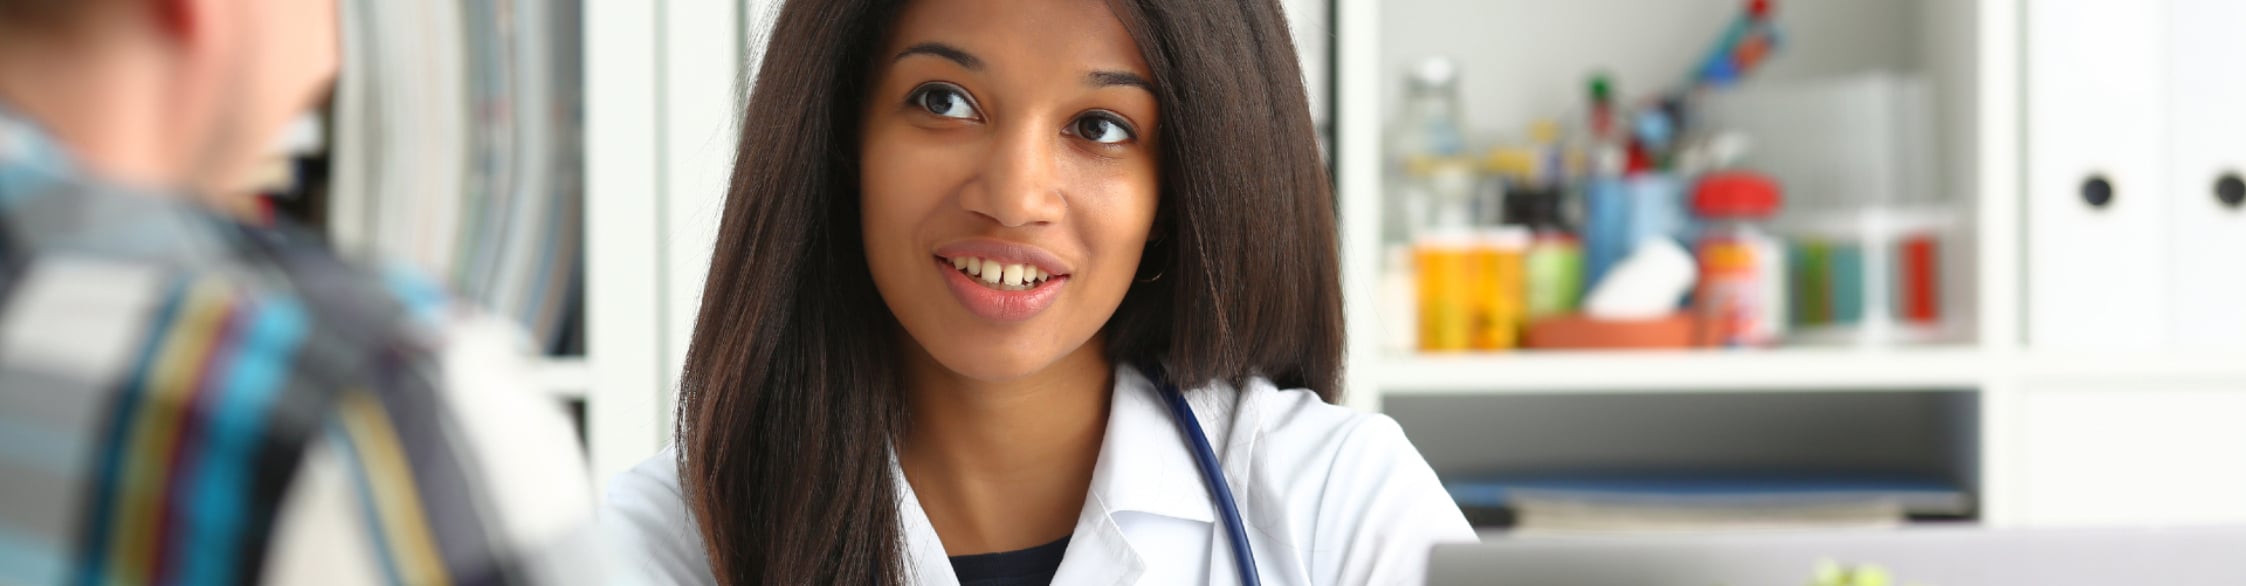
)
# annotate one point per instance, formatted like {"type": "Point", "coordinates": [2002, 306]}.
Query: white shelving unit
{"type": "Point", "coordinates": [1983, 38]}
{"type": "Point", "coordinates": [2039, 406]}
{"type": "Point", "coordinates": [1786, 370]}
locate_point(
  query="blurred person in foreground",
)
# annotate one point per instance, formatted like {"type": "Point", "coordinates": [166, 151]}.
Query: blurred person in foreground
{"type": "Point", "coordinates": [188, 399]}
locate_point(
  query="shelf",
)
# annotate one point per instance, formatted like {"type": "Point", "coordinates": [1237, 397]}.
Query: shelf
{"type": "Point", "coordinates": [563, 378]}
{"type": "Point", "coordinates": [2106, 367]}
{"type": "Point", "coordinates": [1800, 369]}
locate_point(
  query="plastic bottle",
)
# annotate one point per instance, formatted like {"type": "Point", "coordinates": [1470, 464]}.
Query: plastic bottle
{"type": "Point", "coordinates": [1428, 134]}
{"type": "Point", "coordinates": [1606, 200]}
{"type": "Point", "coordinates": [1553, 263]}
{"type": "Point", "coordinates": [1741, 299]}
{"type": "Point", "coordinates": [1429, 188]}
{"type": "Point", "coordinates": [1446, 305]}
{"type": "Point", "coordinates": [1607, 235]}
{"type": "Point", "coordinates": [1496, 288]}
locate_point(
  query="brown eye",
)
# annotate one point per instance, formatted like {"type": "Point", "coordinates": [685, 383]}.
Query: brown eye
{"type": "Point", "coordinates": [1101, 127]}
{"type": "Point", "coordinates": [946, 100]}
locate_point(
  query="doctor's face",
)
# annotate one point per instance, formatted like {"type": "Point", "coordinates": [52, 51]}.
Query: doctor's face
{"type": "Point", "coordinates": [1008, 178]}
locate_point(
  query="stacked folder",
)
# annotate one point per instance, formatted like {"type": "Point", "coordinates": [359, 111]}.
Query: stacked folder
{"type": "Point", "coordinates": [458, 131]}
{"type": "Point", "coordinates": [1638, 502]}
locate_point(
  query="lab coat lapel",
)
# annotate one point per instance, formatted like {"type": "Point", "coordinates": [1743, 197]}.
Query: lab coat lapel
{"type": "Point", "coordinates": [1145, 464]}
{"type": "Point", "coordinates": [1097, 552]}
{"type": "Point", "coordinates": [1143, 467]}
{"type": "Point", "coordinates": [924, 550]}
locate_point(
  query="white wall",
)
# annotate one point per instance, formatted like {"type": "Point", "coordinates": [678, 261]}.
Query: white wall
{"type": "Point", "coordinates": [1525, 59]}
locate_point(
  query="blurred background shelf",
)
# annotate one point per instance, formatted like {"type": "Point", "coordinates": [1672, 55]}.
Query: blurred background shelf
{"type": "Point", "coordinates": [1785, 369]}
{"type": "Point", "coordinates": [2134, 367]}
{"type": "Point", "coordinates": [1789, 369]}
{"type": "Point", "coordinates": [2088, 372]}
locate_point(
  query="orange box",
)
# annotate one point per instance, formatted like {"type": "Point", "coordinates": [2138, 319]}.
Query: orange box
{"type": "Point", "coordinates": [1576, 332]}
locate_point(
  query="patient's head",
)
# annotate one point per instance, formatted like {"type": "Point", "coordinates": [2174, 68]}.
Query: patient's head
{"type": "Point", "coordinates": [171, 93]}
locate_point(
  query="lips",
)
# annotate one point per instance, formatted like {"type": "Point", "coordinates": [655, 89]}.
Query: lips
{"type": "Point", "coordinates": [1000, 281]}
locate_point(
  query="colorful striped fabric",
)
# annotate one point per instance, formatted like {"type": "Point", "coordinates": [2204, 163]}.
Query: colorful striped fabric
{"type": "Point", "coordinates": [402, 534]}
{"type": "Point", "coordinates": [165, 374]}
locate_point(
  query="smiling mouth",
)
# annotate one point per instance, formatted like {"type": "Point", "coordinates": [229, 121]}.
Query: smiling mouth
{"type": "Point", "coordinates": [1001, 276]}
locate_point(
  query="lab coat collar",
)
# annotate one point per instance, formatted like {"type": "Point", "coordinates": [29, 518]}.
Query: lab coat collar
{"type": "Point", "coordinates": [1097, 551]}
{"type": "Point", "coordinates": [1145, 466]}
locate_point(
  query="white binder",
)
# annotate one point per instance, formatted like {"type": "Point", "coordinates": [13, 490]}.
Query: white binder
{"type": "Point", "coordinates": [2097, 274]}
{"type": "Point", "coordinates": [2207, 123]}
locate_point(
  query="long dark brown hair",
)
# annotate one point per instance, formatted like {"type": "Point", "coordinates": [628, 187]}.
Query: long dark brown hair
{"type": "Point", "coordinates": [791, 391]}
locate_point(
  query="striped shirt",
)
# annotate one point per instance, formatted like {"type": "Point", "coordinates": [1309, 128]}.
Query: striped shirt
{"type": "Point", "coordinates": [189, 400]}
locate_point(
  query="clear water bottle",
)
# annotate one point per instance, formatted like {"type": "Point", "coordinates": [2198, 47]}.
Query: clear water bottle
{"type": "Point", "coordinates": [1426, 150]}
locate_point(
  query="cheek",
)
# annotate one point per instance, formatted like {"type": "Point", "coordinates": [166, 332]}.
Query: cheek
{"type": "Point", "coordinates": [323, 42]}
{"type": "Point", "coordinates": [900, 186]}
{"type": "Point", "coordinates": [1117, 223]}
{"type": "Point", "coordinates": [301, 48]}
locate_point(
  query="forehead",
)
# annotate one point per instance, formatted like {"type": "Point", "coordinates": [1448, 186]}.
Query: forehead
{"type": "Point", "coordinates": [1070, 36]}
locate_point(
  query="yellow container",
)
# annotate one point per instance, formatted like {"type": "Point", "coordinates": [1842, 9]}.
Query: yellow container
{"type": "Point", "coordinates": [1495, 289]}
{"type": "Point", "coordinates": [1446, 303]}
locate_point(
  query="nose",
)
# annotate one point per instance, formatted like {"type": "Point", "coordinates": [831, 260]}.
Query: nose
{"type": "Point", "coordinates": [1021, 180]}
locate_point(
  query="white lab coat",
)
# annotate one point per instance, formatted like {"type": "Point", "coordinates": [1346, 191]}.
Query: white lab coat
{"type": "Point", "coordinates": [1329, 496]}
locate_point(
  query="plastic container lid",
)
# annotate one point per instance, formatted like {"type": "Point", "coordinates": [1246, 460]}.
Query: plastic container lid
{"type": "Point", "coordinates": [1513, 163]}
{"type": "Point", "coordinates": [1736, 194]}
{"type": "Point", "coordinates": [1511, 238]}
{"type": "Point", "coordinates": [1435, 72]}
{"type": "Point", "coordinates": [1544, 131]}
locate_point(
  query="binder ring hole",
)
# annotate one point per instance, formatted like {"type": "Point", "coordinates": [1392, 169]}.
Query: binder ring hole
{"type": "Point", "coordinates": [2097, 191]}
{"type": "Point", "coordinates": [2230, 190]}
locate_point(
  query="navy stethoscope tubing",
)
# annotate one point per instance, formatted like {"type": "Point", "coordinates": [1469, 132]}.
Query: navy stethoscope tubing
{"type": "Point", "coordinates": [1228, 510]}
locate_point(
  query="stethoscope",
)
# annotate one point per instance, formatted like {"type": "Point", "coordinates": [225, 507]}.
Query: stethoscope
{"type": "Point", "coordinates": [1219, 491]}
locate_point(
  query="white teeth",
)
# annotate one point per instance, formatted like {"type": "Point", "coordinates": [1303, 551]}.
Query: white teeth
{"type": "Point", "coordinates": [1005, 276]}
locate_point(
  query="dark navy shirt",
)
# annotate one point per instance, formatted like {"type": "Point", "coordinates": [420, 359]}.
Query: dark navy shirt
{"type": "Point", "coordinates": [1024, 567]}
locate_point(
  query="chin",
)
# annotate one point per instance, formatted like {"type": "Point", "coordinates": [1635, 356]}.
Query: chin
{"type": "Point", "coordinates": [1002, 353]}
{"type": "Point", "coordinates": [984, 362]}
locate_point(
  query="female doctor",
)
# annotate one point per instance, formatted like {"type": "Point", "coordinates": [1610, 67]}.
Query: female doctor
{"type": "Point", "coordinates": [1026, 292]}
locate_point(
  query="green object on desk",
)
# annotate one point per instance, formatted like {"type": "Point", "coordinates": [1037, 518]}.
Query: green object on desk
{"type": "Point", "coordinates": [1813, 285]}
{"type": "Point", "coordinates": [1554, 271]}
{"type": "Point", "coordinates": [1832, 573]}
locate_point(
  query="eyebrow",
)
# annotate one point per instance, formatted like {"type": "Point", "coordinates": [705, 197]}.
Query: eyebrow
{"type": "Point", "coordinates": [1116, 78]}
{"type": "Point", "coordinates": [955, 54]}
{"type": "Point", "coordinates": [1098, 79]}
